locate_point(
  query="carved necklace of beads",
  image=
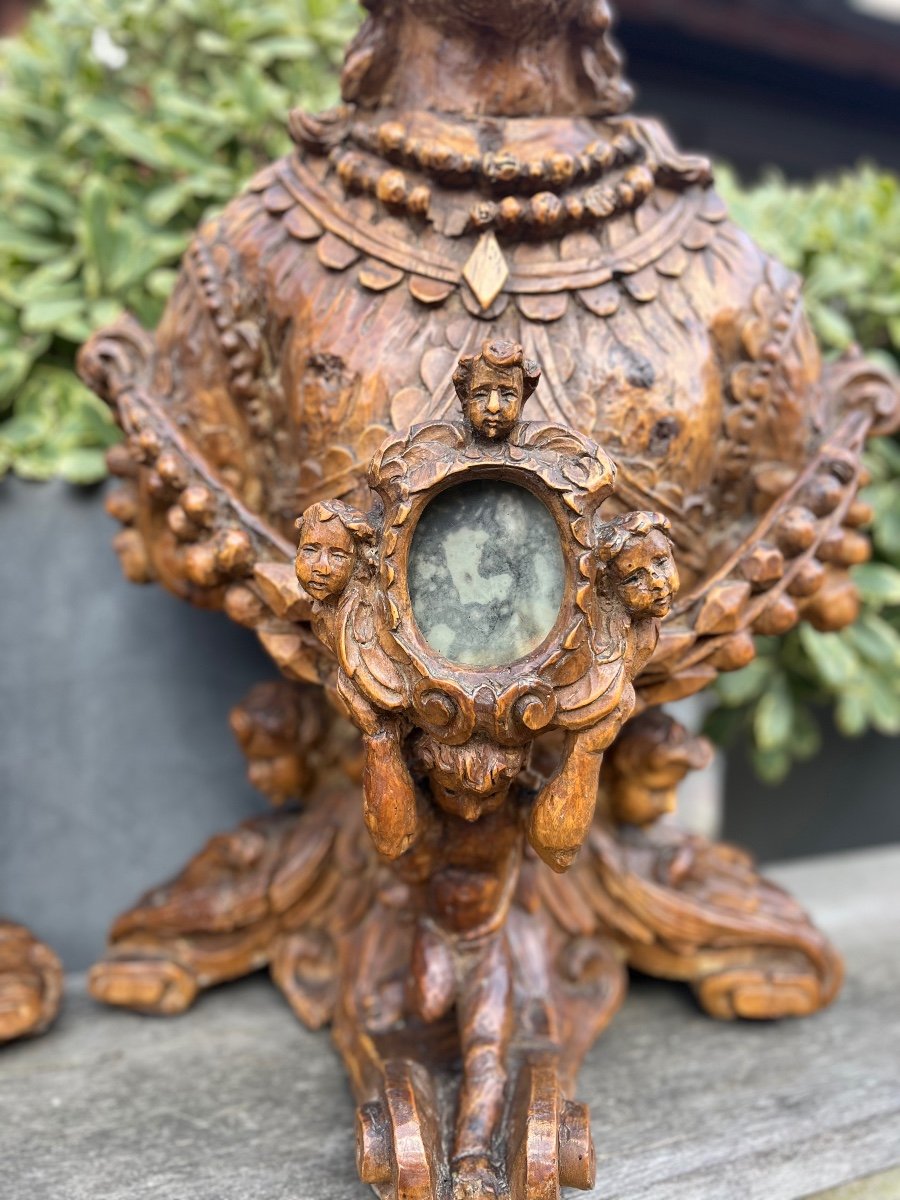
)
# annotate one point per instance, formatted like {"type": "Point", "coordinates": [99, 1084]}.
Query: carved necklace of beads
{"type": "Point", "coordinates": [542, 212]}
{"type": "Point", "coordinates": [499, 169]}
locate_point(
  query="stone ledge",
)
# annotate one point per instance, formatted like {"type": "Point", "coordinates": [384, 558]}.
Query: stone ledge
{"type": "Point", "coordinates": [236, 1101]}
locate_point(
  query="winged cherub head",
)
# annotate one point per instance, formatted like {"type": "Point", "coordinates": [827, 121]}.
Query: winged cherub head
{"type": "Point", "coordinates": [334, 540]}
{"type": "Point", "coordinates": [637, 553]}
{"type": "Point", "coordinates": [493, 386]}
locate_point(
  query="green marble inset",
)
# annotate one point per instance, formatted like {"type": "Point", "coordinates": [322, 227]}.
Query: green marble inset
{"type": "Point", "coordinates": [486, 573]}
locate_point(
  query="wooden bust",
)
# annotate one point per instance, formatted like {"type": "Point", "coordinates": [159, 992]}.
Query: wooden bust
{"type": "Point", "coordinates": [562, 444]}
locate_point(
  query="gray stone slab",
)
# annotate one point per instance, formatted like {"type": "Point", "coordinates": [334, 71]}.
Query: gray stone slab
{"type": "Point", "coordinates": [885, 1186]}
{"type": "Point", "coordinates": [235, 1101]}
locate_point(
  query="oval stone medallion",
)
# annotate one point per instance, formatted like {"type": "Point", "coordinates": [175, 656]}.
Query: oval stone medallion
{"type": "Point", "coordinates": [486, 573]}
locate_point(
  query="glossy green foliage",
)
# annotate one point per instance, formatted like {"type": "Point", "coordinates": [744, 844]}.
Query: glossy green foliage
{"type": "Point", "coordinates": [843, 235]}
{"type": "Point", "coordinates": [122, 123]}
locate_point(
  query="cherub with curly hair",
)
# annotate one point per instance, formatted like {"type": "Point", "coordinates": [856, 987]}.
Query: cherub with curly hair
{"type": "Point", "coordinates": [334, 540]}
{"type": "Point", "coordinates": [636, 583]}
{"type": "Point", "coordinates": [636, 551]}
{"type": "Point", "coordinates": [493, 386]}
{"type": "Point", "coordinates": [338, 546]}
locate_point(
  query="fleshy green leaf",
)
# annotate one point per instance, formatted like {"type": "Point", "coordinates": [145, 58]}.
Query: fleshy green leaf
{"type": "Point", "coordinates": [878, 583]}
{"type": "Point", "coordinates": [773, 722]}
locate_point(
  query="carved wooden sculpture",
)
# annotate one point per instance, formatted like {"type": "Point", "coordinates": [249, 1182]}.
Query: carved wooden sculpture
{"type": "Point", "coordinates": [477, 853]}
{"type": "Point", "coordinates": [30, 983]}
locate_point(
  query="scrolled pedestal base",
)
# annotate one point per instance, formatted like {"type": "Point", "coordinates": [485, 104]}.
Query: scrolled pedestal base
{"type": "Point", "coordinates": [305, 895]}
{"type": "Point", "coordinates": [31, 981]}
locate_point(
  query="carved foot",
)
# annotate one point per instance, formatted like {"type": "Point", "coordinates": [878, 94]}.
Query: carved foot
{"type": "Point", "coordinates": [157, 986]}
{"type": "Point", "coordinates": [210, 924]}
{"type": "Point", "coordinates": [275, 892]}
{"type": "Point", "coordinates": [474, 1177]}
{"type": "Point", "coordinates": [550, 1144]}
{"type": "Point", "coordinates": [760, 993]}
{"type": "Point", "coordinates": [399, 1145]}
{"type": "Point", "coordinates": [690, 910]}
{"type": "Point", "coordinates": [30, 984]}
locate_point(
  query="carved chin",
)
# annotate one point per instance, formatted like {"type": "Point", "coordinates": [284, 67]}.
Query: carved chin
{"type": "Point", "coordinates": [319, 591]}
{"type": "Point", "coordinates": [492, 429]}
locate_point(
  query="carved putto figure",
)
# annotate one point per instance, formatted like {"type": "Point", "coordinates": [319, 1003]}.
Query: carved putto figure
{"type": "Point", "coordinates": [459, 819]}
{"type": "Point", "coordinates": [468, 850]}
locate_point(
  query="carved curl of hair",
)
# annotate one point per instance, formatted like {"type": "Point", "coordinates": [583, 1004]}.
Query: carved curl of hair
{"type": "Point", "coordinates": [479, 764]}
{"type": "Point", "coordinates": [355, 522]}
{"type": "Point", "coordinates": [504, 356]}
{"type": "Point", "coordinates": [615, 536]}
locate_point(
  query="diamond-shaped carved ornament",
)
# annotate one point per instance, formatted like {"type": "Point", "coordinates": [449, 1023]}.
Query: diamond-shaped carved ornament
{"type": "Point", "coordinates": [487, 270]}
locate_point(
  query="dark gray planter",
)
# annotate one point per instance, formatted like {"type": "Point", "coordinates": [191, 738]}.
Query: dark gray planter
{"type": "Point", "coordinates": [116, 761]}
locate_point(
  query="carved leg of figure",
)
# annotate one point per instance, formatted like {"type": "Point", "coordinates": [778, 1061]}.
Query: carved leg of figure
{"type": "Point", "coordinates": [485, 1016]}
{"type": "Point", "coordinates": [690, 910]}
{"type": "Point", "coordinates": [530, 1001]}
{"type": "Point", "coordinates": [30, 984]}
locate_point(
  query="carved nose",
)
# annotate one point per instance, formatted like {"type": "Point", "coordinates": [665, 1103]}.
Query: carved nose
{"type": "Point", "coordinates": [494, 402]}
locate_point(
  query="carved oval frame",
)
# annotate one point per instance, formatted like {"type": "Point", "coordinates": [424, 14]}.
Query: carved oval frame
{"type": "Point", "coordinates": [571, 476]}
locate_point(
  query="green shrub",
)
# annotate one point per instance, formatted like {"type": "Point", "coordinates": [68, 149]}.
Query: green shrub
{"type": "Point", "coordinates": [124, 121]}
{"type": "Point", "coordinates": [843, 235]}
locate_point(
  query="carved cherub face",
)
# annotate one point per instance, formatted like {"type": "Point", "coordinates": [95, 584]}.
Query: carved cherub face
{"type": "Point", "coordinates": [326, 556]}
{"type": "Point", "coordinates": [645, 574]}
{"type": "Point", "coordinates": [495, 399]}
{"type": "Point", "coordinates": [493, 386]}
{"type": "Point", "coordinates": [471, 780]}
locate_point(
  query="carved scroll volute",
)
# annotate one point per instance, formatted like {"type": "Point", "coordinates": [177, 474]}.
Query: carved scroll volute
{"type": "Point", "coordinates": [618, 580]}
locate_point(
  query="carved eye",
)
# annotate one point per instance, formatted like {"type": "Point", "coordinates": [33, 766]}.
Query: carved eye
{"type": "Point", "coordinates": [310, 548]}
{"type": "Point", "coordinates": [637, 577]}
{"type": "Point", "coordinates": [662, 562]}
{"type": "Point", "coordinates": [340, 555]}
{"type": "Point", "coordinates": [509, 394]}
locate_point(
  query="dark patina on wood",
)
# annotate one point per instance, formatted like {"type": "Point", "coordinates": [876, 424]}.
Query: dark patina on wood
{"type": "Point", "coordinates": [468, 855]}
